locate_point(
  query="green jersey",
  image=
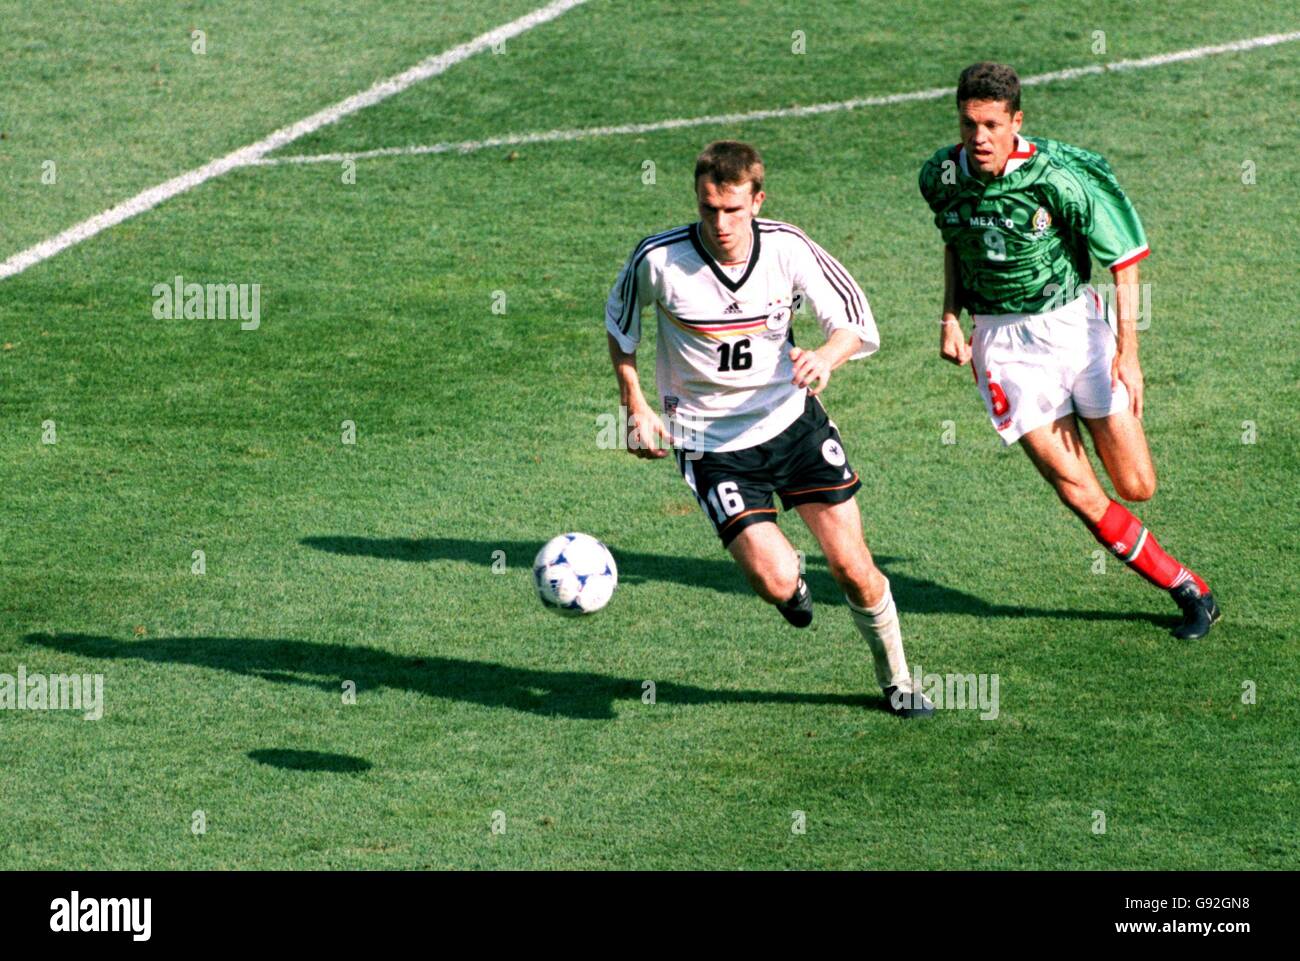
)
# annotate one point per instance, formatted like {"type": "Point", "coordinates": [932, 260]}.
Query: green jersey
{"type": "Point", "coordinates": [1025, 238]}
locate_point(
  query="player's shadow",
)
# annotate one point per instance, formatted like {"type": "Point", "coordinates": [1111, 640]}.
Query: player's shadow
{"type": "Point", "coordinates": [295, 760]}
{"type": "Point", "coordinates": [573, 694]}
{"type": "Point", "coordinates": [915, 595]}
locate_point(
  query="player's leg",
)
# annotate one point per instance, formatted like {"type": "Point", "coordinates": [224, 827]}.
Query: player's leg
{"type": "Point", "coordinates": [1103, 405]}
{"type": "Point", "coordinates": [838, 529]}
{"type": "Point", "coordinates": [736, 496]}
{"type": "Point", "coordinates": [1057, 451]}
{"type": "Point", "coordinates": [1122, 446]}
{"type": "Point", "coordinates": [820, 485]}
{"type": "Point", "coordinates": [768, 560]}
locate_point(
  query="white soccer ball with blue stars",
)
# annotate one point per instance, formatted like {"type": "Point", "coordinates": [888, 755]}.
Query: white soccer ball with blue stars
{"type": "Point", "coordinates": [575, 574]}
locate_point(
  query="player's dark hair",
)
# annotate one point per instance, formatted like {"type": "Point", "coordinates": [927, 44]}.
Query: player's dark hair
{"type": "Point", "coordinates": [728, 162]}
{"type": "Point", "coordinates": [989, 81]}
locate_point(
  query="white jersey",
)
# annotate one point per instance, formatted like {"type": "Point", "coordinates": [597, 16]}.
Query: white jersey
{"type": "Point", "coordinates": [723, 369]}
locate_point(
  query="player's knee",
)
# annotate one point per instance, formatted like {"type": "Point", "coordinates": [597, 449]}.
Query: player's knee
{"type": "Point", "coordinates": [777, 587]}
{"type": "Point", "coordinates": [856, 572]}
{"type": "Point", "coordinates": [1137, 487]}
{"type": "Point", "coordinates": [777, 581]}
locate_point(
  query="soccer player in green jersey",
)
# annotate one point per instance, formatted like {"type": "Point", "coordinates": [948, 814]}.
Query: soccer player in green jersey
{"type": "Point", "coordinates": [1021, 220]}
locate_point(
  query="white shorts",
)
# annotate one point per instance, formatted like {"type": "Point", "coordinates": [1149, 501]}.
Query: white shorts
{"type": "Point", "coordinates": [1034, 368]}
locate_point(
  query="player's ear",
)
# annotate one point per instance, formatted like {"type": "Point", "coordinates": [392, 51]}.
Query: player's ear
{"type": "Point", "coordinates": [1017, 120]}
{"type": "Point", "coordinates": [758, 202]}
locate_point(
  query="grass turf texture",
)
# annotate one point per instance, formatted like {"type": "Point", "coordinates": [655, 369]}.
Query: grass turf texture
{"type": "Point", "coordinates": [476, 433]}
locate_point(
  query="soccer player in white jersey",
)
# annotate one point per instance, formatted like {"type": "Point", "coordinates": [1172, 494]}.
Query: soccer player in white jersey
{"type": "Point", "coordinates": [1021, 219]}
{"type": "Point", "coordinates": [738, 399]}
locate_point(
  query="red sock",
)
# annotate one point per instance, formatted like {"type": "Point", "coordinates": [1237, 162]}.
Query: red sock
{"type": "Point", "coordinates": [1128, 540]}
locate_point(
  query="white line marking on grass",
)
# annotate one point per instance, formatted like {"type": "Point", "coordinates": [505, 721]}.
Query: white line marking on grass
{"type": "Point", "coordinates": [724, 119]}
{"type": "Point", "coordinates": [245, 156]}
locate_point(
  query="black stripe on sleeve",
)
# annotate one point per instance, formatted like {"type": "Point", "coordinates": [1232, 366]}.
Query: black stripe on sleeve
{"type": "Point", "coordinates": [641, 245]}
{"type": "Point", "coordinates": [644, 247]}
{"type": "Point", "coordinates": [630, 279]}
{"type": "Point", "coordinates": [831, 265]}
{"type": "Point", "coordinates": [839, 280]}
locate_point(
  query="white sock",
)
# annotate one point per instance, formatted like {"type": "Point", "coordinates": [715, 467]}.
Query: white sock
{"type": "Point", "coordinates": [879, 625]}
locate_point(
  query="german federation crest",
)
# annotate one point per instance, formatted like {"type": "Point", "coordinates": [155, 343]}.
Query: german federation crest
{"type": "Point", "coordinates": [833, 452]}
{"type": "Point", "coordinates": [778, 318]}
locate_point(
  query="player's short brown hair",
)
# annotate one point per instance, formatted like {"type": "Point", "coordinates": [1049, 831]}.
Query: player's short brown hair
{"type": "Point", "coordinates": [727, 162]}
{"type": "Point", "coordinates": [989, 81]}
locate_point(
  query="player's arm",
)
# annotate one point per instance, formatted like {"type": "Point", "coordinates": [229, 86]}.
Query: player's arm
{"type": "Point", "coordinates": [1095, 206]}
{"type": "Point", "coordinates": [952, 339]}
{"type": "Point", "coordinates": [815, 366]}
{"type": "Point", "coordinates": [1125, 366]}
{"type": "Point", "coordinates": [632, 292]}
{"type": "Point", "coordinates": [645, 428]}
{"type": "Point", "coordinates": [840, 307]}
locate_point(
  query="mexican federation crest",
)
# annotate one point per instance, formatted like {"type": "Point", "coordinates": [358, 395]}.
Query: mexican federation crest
{"type": "Point", "coordinates": [1042, 220]}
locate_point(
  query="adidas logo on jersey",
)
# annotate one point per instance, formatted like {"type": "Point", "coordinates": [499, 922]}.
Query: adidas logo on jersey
{"type": "Point", "coordinates": [733, 309]}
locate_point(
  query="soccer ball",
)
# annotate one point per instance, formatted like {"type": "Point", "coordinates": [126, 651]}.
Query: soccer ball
{"type": "Point", "coordinates": [575, 574]}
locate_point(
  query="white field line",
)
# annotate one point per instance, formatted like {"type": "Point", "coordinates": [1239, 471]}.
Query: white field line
{"type": "Point", "coordinates": [727, 119]}
{"type": "Point", "coordinates": [382, 90]}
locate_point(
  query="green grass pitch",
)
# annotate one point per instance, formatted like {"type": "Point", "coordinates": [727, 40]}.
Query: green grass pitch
{"type": "Point", "coordinates": [400, 562]}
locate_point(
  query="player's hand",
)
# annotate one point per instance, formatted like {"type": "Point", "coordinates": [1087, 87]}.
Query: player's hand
{"type": "Point", "coordinates": [952, 345]}
{"type": "Point", "coordinates": [810, 366]}
{"type": "Point", "coordinates": [1125, 369]}
{"type": "Point", "coordinates": [646, 435]}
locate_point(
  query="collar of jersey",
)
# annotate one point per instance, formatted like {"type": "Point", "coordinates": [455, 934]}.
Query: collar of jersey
{"type": "Point", "coordinates": [1017, 159]}
{"type": "Point", "coordinates": [731, 285]}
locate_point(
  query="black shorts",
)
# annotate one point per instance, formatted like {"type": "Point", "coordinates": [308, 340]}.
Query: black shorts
{"type": "Point", "coordinates": [805, 464]}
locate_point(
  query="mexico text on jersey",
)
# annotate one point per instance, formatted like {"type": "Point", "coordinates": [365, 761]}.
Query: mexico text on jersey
{"type": "Point", "coordinates": [1024, 238]}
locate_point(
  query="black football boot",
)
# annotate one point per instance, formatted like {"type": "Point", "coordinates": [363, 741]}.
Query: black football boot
{"type": "Point", "coordinates": [798, 609]}
{"type": "Point", "coordinates": [906, 704]}
{"type": "Point", "coordinates": [1199, 611]}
